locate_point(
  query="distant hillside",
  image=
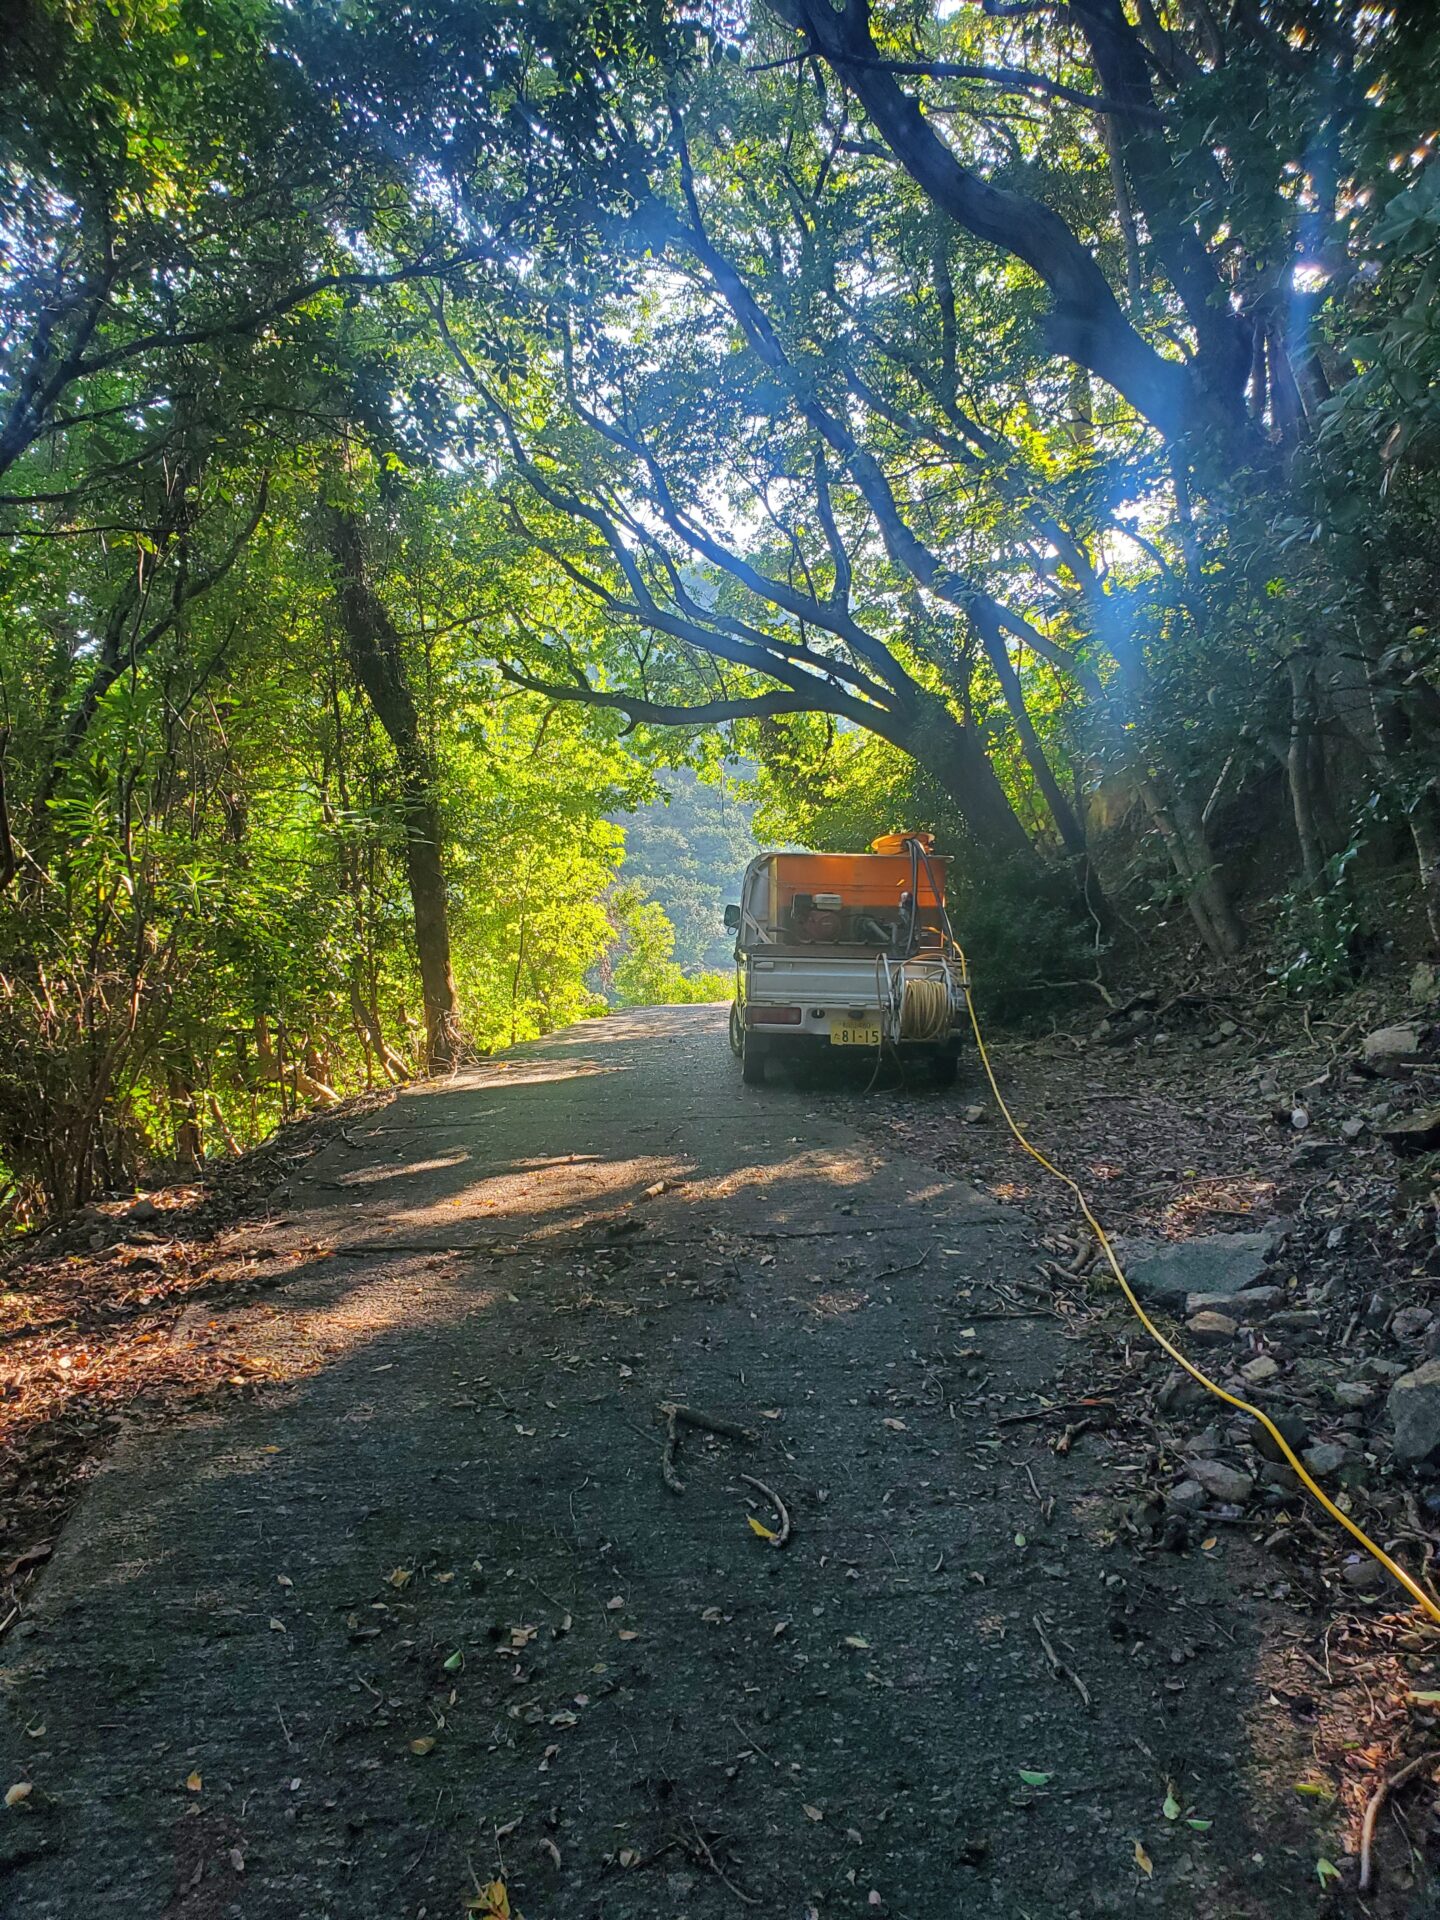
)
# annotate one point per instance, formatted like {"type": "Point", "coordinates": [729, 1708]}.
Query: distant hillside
{"type": "Point", "coordinates": [688, 853]}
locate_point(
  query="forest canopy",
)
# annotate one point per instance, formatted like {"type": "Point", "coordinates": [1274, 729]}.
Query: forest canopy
{"type": "Point", "coordinates": [421, 428]}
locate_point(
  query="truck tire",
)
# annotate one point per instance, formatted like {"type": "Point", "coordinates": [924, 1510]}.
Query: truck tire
{"type": "Point", "coordinates": [753, 1055]}
{"type": "Point", "coordinates": [737, 1031]}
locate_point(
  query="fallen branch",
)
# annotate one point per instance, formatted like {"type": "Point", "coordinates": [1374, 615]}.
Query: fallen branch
{"type": "Point", "coordinates": [1057, 1665]}
{"type": "Point", "coordinates": [745, 1899]}
{"type": "Point", "coordinates": [889, 1273]}
{"type": "Point", "coordinates": [668, 1471]}
{"type": "Point", "coordinates": [707, 1423]}
{"type": "Point", "coordinates": [779, 1505]}
{"type": "Point", "coordinates": [678, 1416]}
{"type": "Point", "coordinates": [1377, 1801]}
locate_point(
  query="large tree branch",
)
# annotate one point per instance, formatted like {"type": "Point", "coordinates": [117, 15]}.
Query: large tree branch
{"type": "Point", "coordinates": [831, 615]}
{"type": "Point", "coordinates": [654, 713]}
{"type": "Point", "coordinates": [902, 543]}
{"type": "Point", "coordinates": [1086, 323]}
{"type": "Point", "coordinates": [1017, 79]}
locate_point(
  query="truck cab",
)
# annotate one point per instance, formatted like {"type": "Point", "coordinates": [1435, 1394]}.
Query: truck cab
{"type": "Point", "coordinates": [848, 950]}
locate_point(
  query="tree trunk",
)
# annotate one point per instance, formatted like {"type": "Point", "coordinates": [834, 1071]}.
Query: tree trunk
{"type": "Point", "coordinates": [956, 761]}
{"type": "Point", "coordinates": [1188, 844]}
{"type": "Point", "coordinates": [1298, 770]}
{"type": "Point", "coordinates": [1067, 821]}
{"type": "Point", "coordinates": [371, 1032]}
{"type": "Point", "coordinates": [374, 649]}
{"type": "Point", "coordinates": [1209, 887]}
{"type": "Point", "coordinates": [1423, 820]}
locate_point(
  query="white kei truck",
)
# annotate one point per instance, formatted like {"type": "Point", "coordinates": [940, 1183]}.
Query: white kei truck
{"type": "Point", "coordinates": [847, 950]}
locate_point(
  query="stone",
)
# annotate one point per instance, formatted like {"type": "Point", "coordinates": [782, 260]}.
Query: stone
{"type": "Point", "coordinates": [1203, 1446]}
{"type": "Point", "coordinates": [1392, 1043]}
{"type": "Point", "coordinates": [1325, 1459]}
{"type": "Point", "coordinates": [1290, 1424]}
{"type": "Point", "coordinates": [1411, 1322]}
{"type": "Point", "coordinates": [141, 1210]}
{"type": "Point", "coordinates": [1414, 1133]}
{"type": "Point", "coordinates": [1212, 1329]}
{"type": "Point", "coordinates": [1178, 1390]}
{"type": "Point", "coordinates": [1187, 1496]}
{"type": "Point", "coordinates": [1166, 1271]}
{"type": "Point", "coordinates": [1424, 984]}
{"type": "Point", "coordinates": [1375, 1368]}
{"type": "Point", "coordinates": [1352, 1128]}
{"type": "Point", "coordinates": [1260, 1369]}
{"type": "Point", "coordinates": [1223, 1483]}
{"type": "Point", "coordinates": [1413, 1405]}
{"type": "Point", "coordinates": [1352, 1393]}
{"type": "Point", "coordinates": [1313, 1154]}
{"type": "Point", "coordinates": [1361, 1572]}
{"type": "Point", "coordinates": [1276, 1475]}
{"type": "Point", "coordinates": [1301, 1319]}
{"type": "Point", "coordinates": [1252, 1304]}
{"type": "Point", "coordinates": [974, 1116]}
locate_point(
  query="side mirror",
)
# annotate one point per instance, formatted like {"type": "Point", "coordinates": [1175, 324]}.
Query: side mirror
{"type": "Point", "coordinates": [732, 919]}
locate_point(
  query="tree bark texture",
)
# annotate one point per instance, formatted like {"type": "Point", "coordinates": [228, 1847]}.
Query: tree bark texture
{"type": "Point", "coordinates": [374, 649]}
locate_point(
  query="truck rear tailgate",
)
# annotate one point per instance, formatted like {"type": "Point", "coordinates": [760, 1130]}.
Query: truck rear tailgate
{"type": "Point", "coordinates": [818, 981]}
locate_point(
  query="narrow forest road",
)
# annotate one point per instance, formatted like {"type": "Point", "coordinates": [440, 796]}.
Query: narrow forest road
{"type": "Point", "coordinates": [421, 1610]}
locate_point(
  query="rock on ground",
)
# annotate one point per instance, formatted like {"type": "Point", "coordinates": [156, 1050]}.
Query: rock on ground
{"type": "Point", "coordinates": [1414, 1409]}
{"type": "Point", "coordinates": [1221, 1264]}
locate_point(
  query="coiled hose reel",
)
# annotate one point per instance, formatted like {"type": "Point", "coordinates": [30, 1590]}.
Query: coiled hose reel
{"type": "Point", "coordinates": [924, 1010]}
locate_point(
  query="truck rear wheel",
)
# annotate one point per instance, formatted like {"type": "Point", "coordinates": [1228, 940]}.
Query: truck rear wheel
{"type": "Point", "coordinates": [753, 1055]}
{"type": "Point", "coordinates": [737, 1031]}
{"type": "Point", "coordinates": [946, 1066]}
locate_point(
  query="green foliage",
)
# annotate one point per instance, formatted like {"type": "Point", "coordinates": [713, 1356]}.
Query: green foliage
{"type": "Point", "coordinates": [645, 973]}
{"type": "Point", "coordinates": [684, 419]}
{"type": "Point", "coordinates": [687, 851]}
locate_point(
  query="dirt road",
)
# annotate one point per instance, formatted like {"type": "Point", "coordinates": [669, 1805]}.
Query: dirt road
{"type": "Point", "coordinates": [419, 1609]}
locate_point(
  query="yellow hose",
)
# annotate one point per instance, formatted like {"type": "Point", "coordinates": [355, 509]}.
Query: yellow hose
{"type": "Point", "coordinates": [924, 1010]}
{"type": "Point", "coordinates": [1396, 1572]}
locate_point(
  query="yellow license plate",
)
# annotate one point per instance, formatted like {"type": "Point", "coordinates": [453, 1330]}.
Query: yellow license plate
{"type": "Point", "coordinates": [854, 1036]}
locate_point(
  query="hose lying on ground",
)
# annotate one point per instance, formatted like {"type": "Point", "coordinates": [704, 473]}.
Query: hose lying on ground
{"type": "Point", "coordinates": [1396, 1572]}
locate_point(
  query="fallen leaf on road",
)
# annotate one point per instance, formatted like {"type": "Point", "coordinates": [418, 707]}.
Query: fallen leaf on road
{"type": "Point", "coordinates": [194, 1782]}
{"type": "Point", "coordinates": [1032, 1779]}
{"type": "Point", "coordinates": [422, 1745]}
{"type": "Point", "coordinates": [759, 1526]}
{"type": "Point", "coordinates": [491, 1903]}
{"type": "Point", "coordinates": [813, 1813]}
{"type": "Point", "coordinates": [1143, 1861]}
{"type": "Point", "coordinates": [21, 1790]}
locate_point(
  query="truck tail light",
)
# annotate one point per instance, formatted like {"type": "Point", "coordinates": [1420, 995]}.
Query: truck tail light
{"type": "Point", "coordinates": [772, 1016]}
